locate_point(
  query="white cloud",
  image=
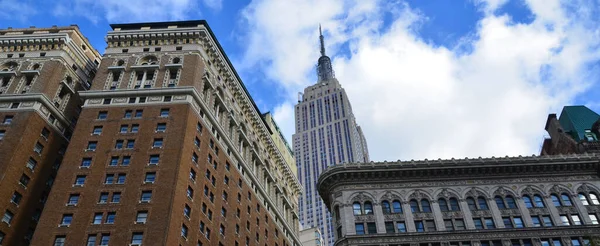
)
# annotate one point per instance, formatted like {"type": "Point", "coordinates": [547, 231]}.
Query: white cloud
{"type": "Point", "coordinates": [16, 10]}
{"type": "Point", "coordinates": [127, 11]}
{"type": "Point", "coordinates": [213, 4]}
{"type": "Point", "coordinates": [417, 100]}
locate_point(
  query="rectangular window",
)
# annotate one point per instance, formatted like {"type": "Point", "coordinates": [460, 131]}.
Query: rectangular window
{"type": "Point", "coordinates": [92, 146]}
{"type": "Point", "coordinates": [116, 198]}
{"type": "Point", "coordinates": [419, 226]}
{"type": "Point", "coordinates": [139, 113]}
{"type": "Point", "coordinates": [24, 180]}
{"type": "Point", "coordinates": [126, 161]}
{"type": "Point", "coordinates": [389, 227]}
{"type": "Point", "coordinates": [103, 198]}
{"type": "Point", "coordinates": [146, 196]}
{"type": "Point", "coordinates": [190, 192]}
{"type": "Point", "coordinates": [38, 148]}
{"type": "Point", "coordinates": [119, 144]}
{"type": "Point", "coordinates": [507, 222]}
{"type": "Point", "coordinates": [104, 239]}
{"type": "Point", "coordinates": [594, 219]}
{"type": "Point", "coordinates": [141, 217]}
{"type": "Point", "coordinates": [154, 159]}
{"type": "Point", "coordinates": [130, 143]}
{"type": "Point", "coordinates": [565, 220]}
{"type": "Point", "coordinates": [547, 221]}
{"type": "Point", "coordinates": [86, 162]}
{"type": "Point", "coordinates": [102, 115]}
{"type": "Point", "coordinates": [449, 225]}
{"type": "Point", "coordinates": [123, 129]}
{"type": "Point", "coordinates": [79, 180]}
{"type": "Point", "coordinates": [59, 240]}
{"type": "Point", "coordinates": [478, 223]}
{"type": "Point", "coordinates": [150, 177]}
{"type": "Point", "coordinates": [576, 219]}
{"type": "Point", "coordinates": [16, 198]}
{"type": "Point", "coordinates": [184, 231]}
{"type": "Point", "coordinates": [110, 218]}
{"type": "Point", "coordinates": [97, 130]}
{"type": "Point", "coordinates": [518, 222]}
{"type": "Point", "coordinates": [164, 112]}
{"type": "Point", "coordinates": [192, 175]}
{"type": "Point", "coordinates": [489, 223]}
{"type": "Point", "coordinates": [45, 133]}
{"type": "Point", "coordinates": [109, 179]}
{"type": "Point", "coordinates": [73, 199]}
{"type": "Point", "coordinates": [536, 221]}
{"type": "Point", "coordinates": [161, 127]}
{"type": "Point", "coordinates": [136, 238]}
{"type": "Point", "coordinates": [128, 114]}
{"type": "Point", "coordinates": [31, 164]}
{"type": "Point", "coordinates": [360, 228]}
{"type": "Point", "coordinates": [8, 216]}
{"type": "Point", "coordinates": [121, 178]}
{"type": "Point", "coordinates": [2, 133]}
{"type": "Point", "coordinates": [158, 143]}
{"type": "Point", "coordinates": [135, 128]}
{"type": "Point", "coordinates": [194, 157]}
{"type": "Point", "coordinates": [187, 211]}
{"type": "Point", "coordinates": [66, 220]}
{"type": "Point", "coordinates": [91, 240]}
{"type": "Point", "coordinates": [114, 161]}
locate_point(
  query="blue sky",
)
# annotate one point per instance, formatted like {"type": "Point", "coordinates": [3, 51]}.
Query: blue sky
{"type": "Point", "coordinates": [426, 78]}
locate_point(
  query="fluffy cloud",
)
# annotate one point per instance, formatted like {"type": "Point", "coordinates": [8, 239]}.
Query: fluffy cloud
{"type": "Point", "coordinates": [418, 100]}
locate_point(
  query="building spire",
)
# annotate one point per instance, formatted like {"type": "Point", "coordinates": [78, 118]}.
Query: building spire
{"type": "Point", "coordinates": [322, 41]}
{"type": "Point", "coordinates": [324, 68]}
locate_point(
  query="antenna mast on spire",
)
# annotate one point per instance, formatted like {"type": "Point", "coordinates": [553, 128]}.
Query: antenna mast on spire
{"type": "Point", "coordinates": [324, 69]}
{"type": "Point", "coordinates": [322, 41]}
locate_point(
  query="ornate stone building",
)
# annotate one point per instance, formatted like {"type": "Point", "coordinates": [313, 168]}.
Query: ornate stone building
{"type": "Point", "coordinates": [549, 200]}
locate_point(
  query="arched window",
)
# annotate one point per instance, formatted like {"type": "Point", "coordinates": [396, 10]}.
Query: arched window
{"type": "Point", "coordinates": [337, 213]}
{"type": "Point", "coordinates": [482, 203]}
{"type": "Point", "coordinates": [583, 199]}
{"type": "Point", "coordinates": [471, 203]}
{"type": "Point", "coordinates": [527, 201]}
{"type": "Point", "coordinates": [594, 199]}
{"type": "Point", "coordinates": [368, 208]}
{"type": "Point", "coordinates": [414, 206]}
{"type": "Point", "coordinates": [566, 201]}
{"type": "Point", "coordinates": [425, 207]}
{"type": "Point", "coordinates": [443, 204]}
{"type": "Point", "coordinates": [397, 206]}
{"type": "Point", "coordinates": [555, 200]}
{"type": "Point", "coordinates": [500, 202]}
{"type": "Point", "coordinates": [454, 205]}
{"type": "Point", "coordinates": [120, 63]}
{"type": "Point", "coordinates": [385, 206]}
{"type": "Point", "coordinates": [149, 60]}
{"type": "Point", "coordinates": [538, 201]}
{"type": "Point", "coordinates": [357, 208]}
{"type": "Point", "coordinates": [510, 202]}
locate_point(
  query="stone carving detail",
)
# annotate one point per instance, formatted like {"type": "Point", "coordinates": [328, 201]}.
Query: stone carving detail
{"type": "Point", "coordinates": [418, 195]}
{"type": "Point", "coordinates": [502, 192]}
{"type": "Point", "coordinates": [530, 191]}
{"type": "Point", "coordinates": [361, 198]}
{"type": "Point", "coordinates": [155, 99]}
{"type": "Point", "coordinates": [481, 213]}
{"type": "Point", "coordinates": [419, 215]}
{"type": "Point", "coordinates": [557, 189]}
{"type": "Point", "coordinates": [509, 212]}
{"type": "Point", "coordinates": [389, 196]}
{"type": "Point", "coordinates": [27, 104]}
{"type": "Point", "coordinates": [396, 216]}
{"type": "Point", "coordinates": [180, 97]}
{"type": "Point", "coordinates": [538, 211]}
{"type": "Point", "coordinates": [95, 101]}
{"type": "Point", "coordinates": [452, 214]}
{"type": "Point", "coordinates": [364, 218]}
{"type": "Point", "coordinates": [4, 105]}
{"type": "Point", "coordinates": [120, 100]}
{"type": "Point", "coordinates": [567, 210]}
{"type": "Point", "coordinates": [445, 193]}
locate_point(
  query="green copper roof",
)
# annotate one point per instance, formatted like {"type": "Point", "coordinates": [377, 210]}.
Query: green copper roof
{"type": "Point", "coordinates": [576, 119]}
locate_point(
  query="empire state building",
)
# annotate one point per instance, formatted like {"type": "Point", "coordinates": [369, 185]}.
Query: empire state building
{"type": "Point", "coordinates": [326, 134]}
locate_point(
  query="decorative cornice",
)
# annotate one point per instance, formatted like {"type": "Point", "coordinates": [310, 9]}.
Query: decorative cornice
{"type": "Point", "coordinates": [480, 168]}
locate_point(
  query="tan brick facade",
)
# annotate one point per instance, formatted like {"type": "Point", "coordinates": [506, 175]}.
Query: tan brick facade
{"type": "Point", "coordinates": [41, 70]}
{"type": "Point", "coordinates": [243, 194]}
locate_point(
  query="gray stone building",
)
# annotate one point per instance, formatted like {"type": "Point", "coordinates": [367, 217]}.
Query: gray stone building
{"type": "Point", "coordinates": [547, 200]}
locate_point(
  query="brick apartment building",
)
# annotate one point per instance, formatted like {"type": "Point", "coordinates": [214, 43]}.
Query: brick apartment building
{"type": "Point", "coordinates": [41, 71]}
{"type": "Point", "coordinates": [170, 149]}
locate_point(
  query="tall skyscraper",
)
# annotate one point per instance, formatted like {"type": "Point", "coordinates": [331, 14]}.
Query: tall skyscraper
{"type": "Point", "coordinates": [170, 149]}
{"type": "Point", "coordinates": [41, 72]}
{"type": "Point", "coordinates": [326, 135]}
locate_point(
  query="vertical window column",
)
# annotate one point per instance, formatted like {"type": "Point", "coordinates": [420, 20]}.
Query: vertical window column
{"type": "Point", "coordinates": [379, 219]}
{"type": "Point", "coordinates": [525, 215]}
{"type": "Point", "coordinates": [495, 212]}
{"type": "Point", "coordinates": [409, 220]}
{"type": "Point", "coordinates": [581, 209]}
